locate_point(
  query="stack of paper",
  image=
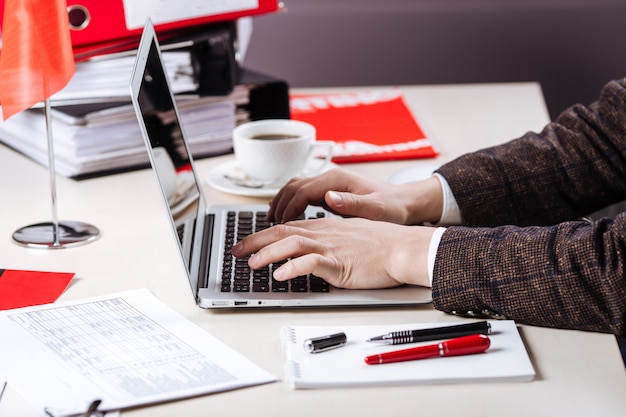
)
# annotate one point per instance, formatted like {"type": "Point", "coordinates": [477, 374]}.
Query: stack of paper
{"type": "Point", "coordinates": [108, 78]}
{"type": "Point", "coordinates": [95, 130]}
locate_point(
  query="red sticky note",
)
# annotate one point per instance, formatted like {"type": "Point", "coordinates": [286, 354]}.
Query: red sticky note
{"type": "Point", "coordinates": [28, 288]}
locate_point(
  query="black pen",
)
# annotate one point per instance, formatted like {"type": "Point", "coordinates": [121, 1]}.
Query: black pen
{"type": "Point", "coordinates": [437, 333]}
{"type": "Point", "coordinates": [324, 343]}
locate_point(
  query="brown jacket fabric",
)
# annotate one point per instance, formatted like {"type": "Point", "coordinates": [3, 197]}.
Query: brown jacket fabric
{"type": "Point", "coordinates": [522, 250]}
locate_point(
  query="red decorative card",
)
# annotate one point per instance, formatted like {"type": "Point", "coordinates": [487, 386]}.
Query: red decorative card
{"type": "Point", "coordinates": [28, 288]}
{"type": "Point", "coordinates": [366, 126]}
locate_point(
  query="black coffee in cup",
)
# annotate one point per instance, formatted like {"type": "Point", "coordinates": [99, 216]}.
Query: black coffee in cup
{"type": "Point", "coordinates": [274, 136]}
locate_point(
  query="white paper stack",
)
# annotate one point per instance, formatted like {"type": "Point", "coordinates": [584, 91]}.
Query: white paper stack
{"type": "Point", "coordinates": [108, 78]}
{"type": "Point", "coordinates": [94, 125]}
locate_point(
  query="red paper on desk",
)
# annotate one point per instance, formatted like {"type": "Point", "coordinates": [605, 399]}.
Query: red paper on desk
{"type": "Point", "coordinates": [28, 288]}
{"type": "Point", "coordinates": [366, 126]}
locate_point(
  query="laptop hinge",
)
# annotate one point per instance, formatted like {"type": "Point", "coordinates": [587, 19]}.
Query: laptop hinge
{"type": "Point", "coordinates": [207, 238]}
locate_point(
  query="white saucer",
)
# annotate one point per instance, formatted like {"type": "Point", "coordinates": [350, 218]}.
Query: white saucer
{"type": "Point", "coordinates": [416, 173]}
{"type": "Point", "coordinates": [217, 179]}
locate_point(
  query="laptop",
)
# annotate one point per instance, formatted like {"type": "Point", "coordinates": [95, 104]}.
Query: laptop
{"type": "Point", "coordinates": [206, 232]}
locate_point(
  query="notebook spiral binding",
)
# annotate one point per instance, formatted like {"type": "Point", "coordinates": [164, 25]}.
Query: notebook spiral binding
{"type": "Point", "coordinates": [287, 335]}
{"type": "Point", "coordinates": [293, 369]}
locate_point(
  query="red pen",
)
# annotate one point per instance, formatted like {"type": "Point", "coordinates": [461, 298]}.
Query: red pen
{"type": "Point", "coordinates": [466, 345]}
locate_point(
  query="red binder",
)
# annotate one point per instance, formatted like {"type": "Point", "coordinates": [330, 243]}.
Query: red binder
{"type": "Point", "coordinates": [97, 23]}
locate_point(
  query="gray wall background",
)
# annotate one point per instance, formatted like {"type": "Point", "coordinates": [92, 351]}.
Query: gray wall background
{"type": "Point", "coordinates": [572, 47]}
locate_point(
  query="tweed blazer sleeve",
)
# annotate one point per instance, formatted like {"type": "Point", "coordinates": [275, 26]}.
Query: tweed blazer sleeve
{"type": "Point", "coordinates": [521, 251]}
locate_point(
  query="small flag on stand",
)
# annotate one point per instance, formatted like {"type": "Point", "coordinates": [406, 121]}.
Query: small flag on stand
{"type": "Point", "coordinates": [36, 59]}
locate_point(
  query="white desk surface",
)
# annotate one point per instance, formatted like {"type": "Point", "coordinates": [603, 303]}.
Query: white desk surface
{"type": "Point", "coordinates": [578, 373]}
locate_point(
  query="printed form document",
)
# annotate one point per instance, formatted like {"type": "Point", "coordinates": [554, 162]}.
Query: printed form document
{"type": "Point", "coordinates": [126, 349]}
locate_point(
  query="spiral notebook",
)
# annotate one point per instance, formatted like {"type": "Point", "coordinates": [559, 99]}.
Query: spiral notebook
{"type": "Point", "coordinates": [505, 361]}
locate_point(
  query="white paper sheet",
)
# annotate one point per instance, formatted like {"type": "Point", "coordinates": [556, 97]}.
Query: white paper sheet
{"type": "Point", "coordinates": [126, 349]}
{"type": "Point", "coordinates": [136, 11]}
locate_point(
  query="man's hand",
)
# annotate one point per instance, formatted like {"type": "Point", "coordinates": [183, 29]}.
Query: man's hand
{"type": "Point", "coordinates": [347, 253]}
{"type": "Point", "coordinates": [351, 195]}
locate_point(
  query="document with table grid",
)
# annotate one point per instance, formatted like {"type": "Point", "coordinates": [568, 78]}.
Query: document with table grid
{"type": "Point", "coordinates": [126, 350]}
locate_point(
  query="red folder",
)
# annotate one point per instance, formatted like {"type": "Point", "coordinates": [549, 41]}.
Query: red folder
{"type": "Point", "coordinates": [369, 125]}
{"type": "Point", "coordinates": [105, 21]}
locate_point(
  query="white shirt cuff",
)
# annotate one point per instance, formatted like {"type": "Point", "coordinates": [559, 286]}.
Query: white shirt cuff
{"type": "Point", "coordinates": [432, 251]}
{"type": "Point", "coordinates": [451, 214]}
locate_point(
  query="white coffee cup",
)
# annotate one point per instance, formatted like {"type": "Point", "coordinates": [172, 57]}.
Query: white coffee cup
{"type": "Point", "coordinates": [276, 150]}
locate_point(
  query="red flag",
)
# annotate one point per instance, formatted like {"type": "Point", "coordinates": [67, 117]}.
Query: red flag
{"type": "Point", "coordinates": [36, 59]}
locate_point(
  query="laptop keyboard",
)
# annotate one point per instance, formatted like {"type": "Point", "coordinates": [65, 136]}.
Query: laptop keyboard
{"type": "Point", "coordinates": [237, 276]}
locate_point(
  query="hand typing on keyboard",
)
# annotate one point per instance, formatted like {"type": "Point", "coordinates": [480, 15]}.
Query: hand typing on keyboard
{"type": "Point", "coordinates": [372, 249]}
{"type": "Point", "coordinates": [346, 253]}
{"type": "Point", "coordinates": [350, 195]}
{"type": "Point", "coordinates": [237, 275]}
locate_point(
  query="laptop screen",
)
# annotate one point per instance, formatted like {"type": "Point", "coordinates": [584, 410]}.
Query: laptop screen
{"type": "Point", "coordinates": [170, 156]}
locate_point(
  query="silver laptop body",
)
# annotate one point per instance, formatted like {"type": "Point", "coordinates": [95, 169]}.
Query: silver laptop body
{"type": "Point", "coordinates": [202, 230]}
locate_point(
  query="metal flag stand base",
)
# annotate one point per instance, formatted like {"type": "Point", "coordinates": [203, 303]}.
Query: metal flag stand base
{"type": "Point", "coordinates": [55, 234]}
{"type": "Point", "coordinates": [61, 235]}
